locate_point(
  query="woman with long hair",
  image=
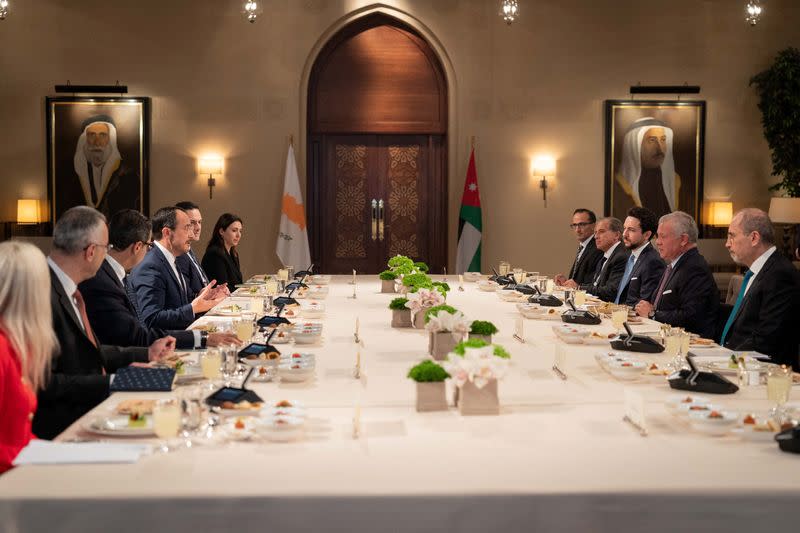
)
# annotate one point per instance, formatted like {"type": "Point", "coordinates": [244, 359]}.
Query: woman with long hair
{"type": "Point", "coordinates": [27, 342]}
{"type": "Point", "coordinates": [221, 260]}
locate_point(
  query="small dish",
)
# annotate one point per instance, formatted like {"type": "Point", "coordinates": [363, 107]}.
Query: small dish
{"type": "Point", "coordinates": [714, 422]}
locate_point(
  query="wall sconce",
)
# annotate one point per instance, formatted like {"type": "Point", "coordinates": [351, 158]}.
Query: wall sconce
{"type": "Point", "coordinates": [544, 166]}
{"type": "Point", "coordinates": [210, 165]}
{"type": "Point", "coordinates": [28, 212]}
{"type": "Point", "coordinates": [720, 214]}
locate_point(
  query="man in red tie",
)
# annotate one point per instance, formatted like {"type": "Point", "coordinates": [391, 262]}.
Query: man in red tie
{"type": "Point", "coordinates": [687, 295]}
{"type": "Point", "coordinates": [83, 369]}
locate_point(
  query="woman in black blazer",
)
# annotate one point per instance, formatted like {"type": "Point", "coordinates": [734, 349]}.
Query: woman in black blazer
{"type": "Point", "coordinates": [221, 260]}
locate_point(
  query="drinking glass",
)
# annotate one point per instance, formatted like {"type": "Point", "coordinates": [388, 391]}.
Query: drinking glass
{"type": "Point", "coordinates": [166, 421]}
{"type": "Point", "coordinates": [619, 315]}
{"type": "Point", "coordinates": [535, 275]}
{"type": "Point", "coordinates": [244, 327]}
{"type": "Point", "coordinates": [551, 285]}
{"type": "Point", "coordinates": [210, 363]}
{"type": "Point", "coordinates": [779, 384]}
{"type": "Point", "coordinates": [283, 275]}
{"type": "Point", "coordinates": [542, 284]}
{"type": "Point", "coordinates": [230, 362]}
{"type": "Point", "coordinates": [289, 272]}
{"type": "Point", "coordinates": [503, 268]}
{"type": "Point", "coordinates": [520, 276]}
{"type": "Point", "coordinates": [191, 399]}
{"type": "Point", "coordinates": [271, 287]}
{"type": "Point", "coordinates": [580, 299]}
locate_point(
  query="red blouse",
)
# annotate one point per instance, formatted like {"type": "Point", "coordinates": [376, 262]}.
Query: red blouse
{"type": "Point", "coordinates": [17, 405]}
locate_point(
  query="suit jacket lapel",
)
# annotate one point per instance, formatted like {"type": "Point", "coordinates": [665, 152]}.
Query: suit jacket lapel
{"type": "Point", "coordinates": [163, 259]}
{"type": "Point", "coordinates": [66, 303]}
{"type": "Point", "coordinates": [753, 283]}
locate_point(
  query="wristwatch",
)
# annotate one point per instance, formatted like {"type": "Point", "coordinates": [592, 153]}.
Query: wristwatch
{"type": "Point", "coordinates": [203, 339]}
{"type": "Point", "coordinates": [651, 314]}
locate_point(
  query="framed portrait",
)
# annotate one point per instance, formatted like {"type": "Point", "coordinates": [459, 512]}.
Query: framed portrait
{"type": "Point", "coordinates": [654, 156]}
{"type": "Point", "coordinates": [97, 153]}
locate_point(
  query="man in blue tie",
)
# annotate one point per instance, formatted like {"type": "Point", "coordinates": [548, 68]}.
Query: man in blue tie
{"type": "Point", "coordinates": [644, 267]}
{"type": "Point", "coordinates": [161, 295]}
{"type": "Point", "coordinates": [764, 317]}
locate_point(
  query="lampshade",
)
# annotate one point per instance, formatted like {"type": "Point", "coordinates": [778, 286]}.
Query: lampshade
{"type": "Point", "coordinates": [28, 211]}
{"type": "Point", "coordinates": [210, 165]}
{"type": "Point", "coordinates": [784, 210]}
{"type": "Point", "coordinates": [720, 213]}
{"type": "Point", "coordinates": [544, 166]}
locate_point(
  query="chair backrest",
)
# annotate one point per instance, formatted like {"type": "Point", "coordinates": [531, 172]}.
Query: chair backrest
{"type": "Point", "coordinates": [733, 288]}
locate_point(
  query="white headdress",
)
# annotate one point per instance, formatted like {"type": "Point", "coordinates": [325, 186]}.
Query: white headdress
{"type": "Point", "coordinates": [632, 159]}
{"type": "Point", "coordinates": [82, 165]}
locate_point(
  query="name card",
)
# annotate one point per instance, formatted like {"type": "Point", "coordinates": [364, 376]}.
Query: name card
{"type": "Point", "coordinates": [560, 359]}
{"type": "Point", "coordinates": [634, 411]}
{"type": "Point", "coordinates": [519, 329]}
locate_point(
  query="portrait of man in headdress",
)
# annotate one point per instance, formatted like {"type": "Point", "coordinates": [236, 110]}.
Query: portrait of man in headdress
{"type": "Point", "coordinates": [654, 156]}
{"type": "Point", "coordinates": [97, 154]}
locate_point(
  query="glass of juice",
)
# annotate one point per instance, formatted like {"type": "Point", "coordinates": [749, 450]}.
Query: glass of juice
{"type": "Point", "coordinates": [619, 315]}
{"type": "Point", "coordinates": [210, 363]}
{"type": "Point", "coordinates": [580, 299]}
{"type": "Point", "coordinates": [779, 384]}
{"type": "Point", "coordinates": [167, 421]}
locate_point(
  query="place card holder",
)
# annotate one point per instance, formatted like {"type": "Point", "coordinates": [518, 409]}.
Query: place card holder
{"type": "Point", "coordinates": [634, 411]}
{"type": "Point", "coordinates": [357, 367]}
{"type": "Point", "coordinates": [519, 330]}
{"type": "Point", "coordinates": [560, 361]}
{"type": "Point", "coordinates": [353, 283]}
{"type": "Point", "coordinates": [357, 422]}
{"type": "Point", "coordinates": [461, 282]}
{"type": "Point", "coordinates": [356, 338]}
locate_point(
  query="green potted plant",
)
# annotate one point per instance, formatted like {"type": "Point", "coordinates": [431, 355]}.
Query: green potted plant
{"type": "Point", "coordinates": [778, 89]}
{"type": "Point", "coordinates": [416, 281]}
{"type": "Point", "coordinates": [483, 330]}
{"type": "Point", "coordinates": [429, 378]}
{"type": "Point", "coordinates": [420, 266]}
{"type": "Point", "coordinates": [387, 278]}
{"type": "Point", "coordinates": [442, 287]}
{"type": "Point", "coordinates": [401, 314]}
{"type": "Point", "coordinates": [476, 367]}
{"type": "Point", "coordinates": [446, 327]}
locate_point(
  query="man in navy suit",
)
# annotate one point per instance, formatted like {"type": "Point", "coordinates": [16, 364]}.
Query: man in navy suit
{"type": "Point", "coordinates": [83, 369]}
{"type": "Point", "coordinates": [160, 288]}
{"type": "Point", "coordinates": [187, 263]}
{"type": "Point", "coordinates": [107, 303]}
{"type": "Point", "coordinates": [644, 267]}
{"type": "Point", "coordinates": [608, 273]}
{"type": "Point", "coordinates": [687, 295]}
{"type": "Point", "coordinates": [764, 317]}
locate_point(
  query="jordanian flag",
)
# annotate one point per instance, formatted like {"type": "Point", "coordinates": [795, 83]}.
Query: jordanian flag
{"type": "Point", "coordinates": [468, 258]}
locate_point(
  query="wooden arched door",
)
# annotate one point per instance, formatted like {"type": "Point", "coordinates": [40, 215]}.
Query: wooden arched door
{"type": "Point", "coordinates": [377, 168]}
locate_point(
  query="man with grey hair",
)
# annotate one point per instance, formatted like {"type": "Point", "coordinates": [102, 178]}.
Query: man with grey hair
{"type": "Point", "coordinates": [687, 295]}
{"type": "Point", "coordinates": [611, 266]}
{"type": "Point", "coordinates": [764, 317]}
{"type": "Point", "coordinates": [82, 371]}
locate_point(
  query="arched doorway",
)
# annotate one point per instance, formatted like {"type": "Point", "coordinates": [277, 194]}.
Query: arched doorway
{"type": "Point", "coordinates": [377, 161]}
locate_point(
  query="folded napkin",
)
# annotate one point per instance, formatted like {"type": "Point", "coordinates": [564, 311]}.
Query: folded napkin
{"type": "Point", "coordinates": [43, 452]}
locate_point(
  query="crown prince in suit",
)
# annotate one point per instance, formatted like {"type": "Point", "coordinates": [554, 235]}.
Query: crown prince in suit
{"type": "Point", "coordinates": [764, 317]}
{"type": "Point", "coordinates": [83, 368]}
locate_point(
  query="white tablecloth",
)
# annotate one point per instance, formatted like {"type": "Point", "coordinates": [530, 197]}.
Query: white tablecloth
{"type": "Point", "coordinates": [557, 458]}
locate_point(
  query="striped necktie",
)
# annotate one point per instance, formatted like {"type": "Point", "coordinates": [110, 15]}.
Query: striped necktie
{"type": "Point", "coordinates": [662, 285]}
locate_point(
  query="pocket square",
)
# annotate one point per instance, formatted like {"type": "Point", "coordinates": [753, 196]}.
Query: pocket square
{"type": "Point", "coordinates": [666, 292]}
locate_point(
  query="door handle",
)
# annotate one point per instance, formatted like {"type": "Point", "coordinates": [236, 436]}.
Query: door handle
{"type": "Point", "coordinates": [380, 220]}
{"type": "Point", "coordinates": [374, 219]}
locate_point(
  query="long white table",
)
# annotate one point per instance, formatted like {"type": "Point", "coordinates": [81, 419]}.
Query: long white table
{"type": "Point", "coordinates": [558, 457]}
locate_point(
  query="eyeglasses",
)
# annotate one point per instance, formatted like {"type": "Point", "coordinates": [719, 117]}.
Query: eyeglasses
{"type": "Point", "coordinates": [106, 246]}
{"type": "Point", "coordinates": [149, 244]}
{"type": "Point", "coordinates": [580, 225]}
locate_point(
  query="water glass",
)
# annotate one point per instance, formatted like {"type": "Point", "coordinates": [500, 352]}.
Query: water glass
{"type": "Point", "coordinates": [779, 385]}
{"type": "Point", "coordinates": [619, 315]}
{"type": "Point", "coordinates": [503, 268]}
{"type": "Point", "coordinates": [290, 272]}
{"type": "Point", "coordinates": [520, 276]}
{"type": "Point", "coordinates": [166, 418]}
{"type": "Point", "coordinates": [283, 275]}
{"type": "Point", "coordinates": [210, 363]}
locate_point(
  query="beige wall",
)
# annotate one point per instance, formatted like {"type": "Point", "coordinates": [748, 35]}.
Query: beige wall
{"type": "Point", "coordinates": [220, 84]}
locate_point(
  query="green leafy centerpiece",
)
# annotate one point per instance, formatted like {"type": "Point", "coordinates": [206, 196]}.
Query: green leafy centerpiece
{"type": "Point", "coordinates": [429, 378]}
{"type": "Point", "coordinates": [482, 329]}
{"type": "Point", "coordinates": [401, 315]}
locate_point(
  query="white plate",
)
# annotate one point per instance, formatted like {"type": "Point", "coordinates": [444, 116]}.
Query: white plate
{"type": "Point", "coordinates": [190, 373]}
{"type": "Point", "coordinates": [245, 434]}
{"type": "Point", "coordinates": [277, 404]}
{"type": "Point", "coordinates": [488, 286]}
{"type": "Point", "coordinates": [677, 403]}
{"type": "Point", "coordinates": [713, 426]}
{"type": "Point", "coordinates": [117, 426]}
{"type": "Point", "coordinates": [472, 276]}
{"type": "Point", "coordinates": [320, 279]}
{"type": "Point", "coordinates": [260, 362]}
{"type": "Point", "coordinates": [626, 370]}
{"type": "Point", "coordinates": [240, 412]}
{"type": "Point", "coordinates": [750, 365]}
{"type": "Point", "coordinates": [280, 428]}
{"type": "Point", "coordinates": [294, 377]}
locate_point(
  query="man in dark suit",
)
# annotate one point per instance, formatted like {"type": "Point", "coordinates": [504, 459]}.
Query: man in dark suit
{"type": "Point", "coordinates": [644, 268]}
{"type": "Point", "coordinates": [687, 295]}
{"type": "Point", "coordinates": [82, 371]}
{"type": "Point", "coordinates": [608, 274]}
{"type": "Point", "coordinates": [188, 264]}
{"type": "Point", "coordinates": [764, 317]}
{"type": "Point", "coordinates": [584, 266]}
{"type": "Point", "coordinates": [107, 303]}
{"type": "Point", "coordinates": [160, 288]}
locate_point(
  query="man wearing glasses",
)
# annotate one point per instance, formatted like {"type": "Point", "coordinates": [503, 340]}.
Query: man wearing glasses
{"type": "Point", "coordinates": [161, 289]}
{"type": "Point", "coordinates": [587, 256]}
{"type": "Point", "coordinates": [83, 368]}
{"type": "Point", "coordinates": [111, 309]}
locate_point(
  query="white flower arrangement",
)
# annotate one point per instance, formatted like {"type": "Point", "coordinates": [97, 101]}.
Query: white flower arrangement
{"type": "Point", "coordinates": [444, 321]}
{"type": "Point", "coordinates": [423, 299]}
{"type": "Point", "coordinates": [478, 366]}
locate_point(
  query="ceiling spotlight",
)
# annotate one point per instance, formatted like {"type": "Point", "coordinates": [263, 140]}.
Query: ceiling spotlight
{"type": "Point", "coordinates": [753, 11]}
{"type": "Point", "coordinates": [3, 9]}
{"type": "Point", "coordinates": [509, 10]}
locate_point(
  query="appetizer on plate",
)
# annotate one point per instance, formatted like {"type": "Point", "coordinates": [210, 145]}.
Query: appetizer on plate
{"type": "Point", "coordinates": [139, 406]}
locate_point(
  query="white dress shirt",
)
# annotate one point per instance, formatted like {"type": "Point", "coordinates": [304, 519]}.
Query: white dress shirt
{"type": "Point", "coordinates": [611, 251]}
{"type": "Point", "coordinates": [119, 270]}
{"type": "Point", "coordinates": [757, 265]}
{"type": "Point", "coordinates": [171, 261]}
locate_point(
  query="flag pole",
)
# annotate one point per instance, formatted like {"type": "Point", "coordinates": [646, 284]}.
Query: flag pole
{"type": "Point", "coordinates": [291, 140]}
{"type": "Point", "coordinates": [472, 142]}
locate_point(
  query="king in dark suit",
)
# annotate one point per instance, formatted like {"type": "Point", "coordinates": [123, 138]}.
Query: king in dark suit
{"type": "Point", "coordinates": [764, 317]}
{"type": "Point", "coordinates": [687, 295]}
